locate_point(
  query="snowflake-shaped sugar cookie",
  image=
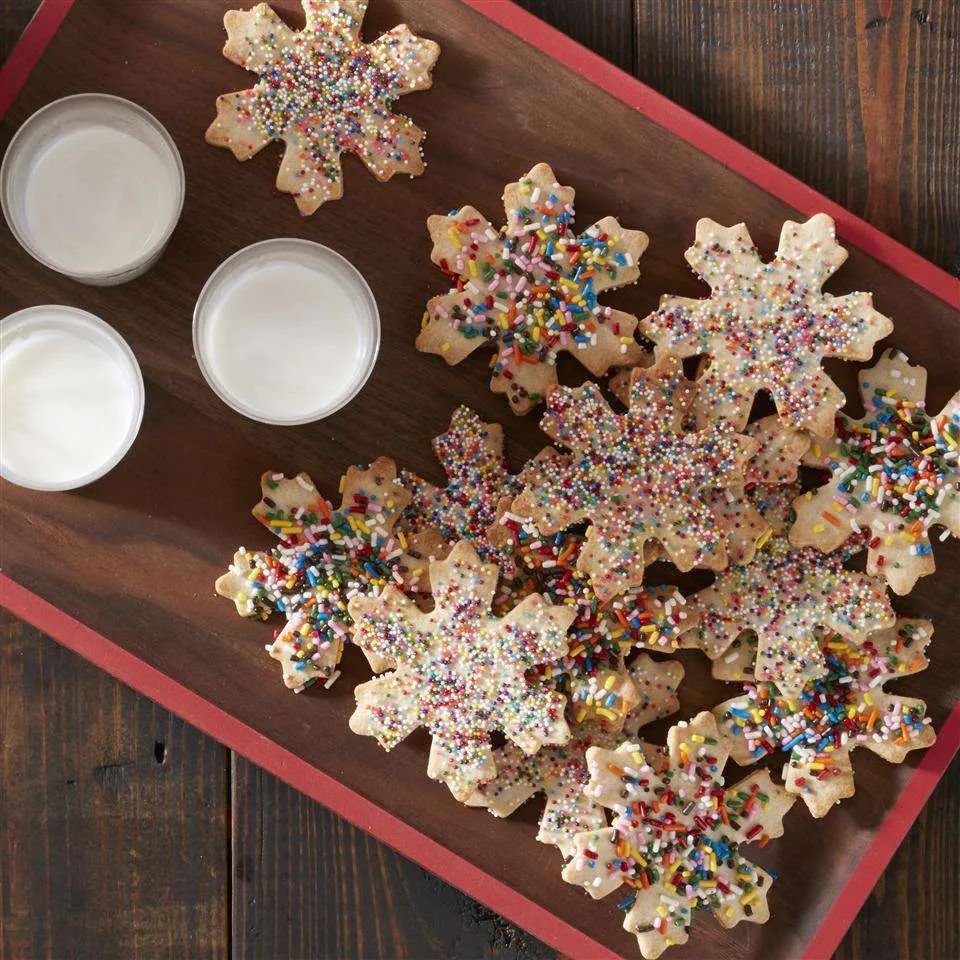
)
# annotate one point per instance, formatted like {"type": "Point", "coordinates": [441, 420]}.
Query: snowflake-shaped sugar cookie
{"type": "Point", "coordinates": [637, 477]}
{"type": "Point", "coordinates": [845, 708]}
{"type": "Point", "coordinates": [677, 834]}
{"type": "Point", "coordinates": [893, 474]}
{"type": "Point", "coordinates": [323, 92]}
{"type": "Point", "coordinates": [531, 290]}
{"type": "Point", "coordinates": [478, 479]}
{"type": "Point", "coordinates": [767, 326]}
{"type": "Point", "coordinates": [324, 557]}
{"type": "Point", "coordinates": [461, 671]}
{"type": "Point", "coordinates": [560, 773]}
{"type": "Point", "coordinates": [785, 595]}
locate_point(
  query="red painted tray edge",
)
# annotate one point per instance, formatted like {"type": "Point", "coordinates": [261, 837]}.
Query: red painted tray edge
{"type": "Point", "coordinates": [236, 735]}
{"type": "Point", "coordinates": [366, 815]}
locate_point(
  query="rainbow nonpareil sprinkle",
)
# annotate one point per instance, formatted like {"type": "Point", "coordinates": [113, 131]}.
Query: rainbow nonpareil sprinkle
{"type": "Point", "coordinates": [639, 478]}
{"type": "Point", "coordinates": [478, 478]}
{"type": "Point", "coordinates": [767, 326]}
{"type": "Point", "coordinates": [461, 672]}
{"type": "Point", "coordinates": [784, 596]}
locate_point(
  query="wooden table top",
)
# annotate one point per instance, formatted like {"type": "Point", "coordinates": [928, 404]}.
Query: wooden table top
{"type": "Point", "coordinates": [269, 872]}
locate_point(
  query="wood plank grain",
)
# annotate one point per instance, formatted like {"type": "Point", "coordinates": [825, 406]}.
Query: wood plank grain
{"type": "Point", "coordinates": [308, 884]}
{"type": "Point", "coordinates": [605, 27]}
{"type": "Point", "coordinates": [858, 98]}
{"type": "Point", "coordinates": [914, 911]}
{"type": "Point", "coordinates": [113, 815]}
{"type": "Point", "coordinates": [14, 16]}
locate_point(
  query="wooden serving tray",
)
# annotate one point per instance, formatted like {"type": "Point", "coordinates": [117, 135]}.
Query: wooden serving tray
{"type": "Point", "coordinates": [123, 570]}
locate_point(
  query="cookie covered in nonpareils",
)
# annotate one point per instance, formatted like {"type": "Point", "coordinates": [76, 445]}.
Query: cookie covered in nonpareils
{"type": "Point", "coordinates": [461, 671]}
{"type": "Point", "coordinates": [323, 92]}
{"type": "Point", "coordinates": [767, 326]}
{"type": "Point", "coordinates": [478, 478]}
{"type": "Point", "coordinates": [637, 477]}
{"type": "Point", "coordinates": [784, 596]}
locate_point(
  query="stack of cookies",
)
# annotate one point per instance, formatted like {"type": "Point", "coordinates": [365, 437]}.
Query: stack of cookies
{"type": "Point", "coordinates": [521, 604]}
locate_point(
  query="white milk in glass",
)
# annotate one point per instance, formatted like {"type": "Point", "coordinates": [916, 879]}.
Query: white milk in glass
{"type": "Point", "coordinates": [286, 331]}
{"type": "Point", "coordinates": [92, 186]}
{"type": "Point", "coordinates": [71, 398]}
{"type": "Point", "coordinates": [97, 199]}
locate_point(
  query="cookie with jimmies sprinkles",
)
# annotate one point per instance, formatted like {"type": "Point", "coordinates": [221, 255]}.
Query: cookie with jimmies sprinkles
{"type": "Point", "coordinates": [675, 843]}
{"type": "Point", "coordinates": [604, 632]}
{"type": "Point", "coordinates": [893, 475]}
{"type": "Point", "coordinates": [461, 672]}
{"type": "Point", "coordinates": [767, 326]}
{"type": "Point", "coordinates": [324, 557]}
{"type": "Point", "coordinates": [323, 92]}
{"type": "Point", "coordinates": [530, 290]}
{"type": "Point", "coordinates": [845, 708]}
{"type": "Point", "coordinates": [637, 477]}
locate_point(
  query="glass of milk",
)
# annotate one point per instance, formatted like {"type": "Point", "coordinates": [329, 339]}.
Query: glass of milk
{"type": "Point", "coordinates": [71, 398]}
{"type": "Point", "coordinates": [92, 187]}
{"type": "Point", "coordinates": [286, 331]}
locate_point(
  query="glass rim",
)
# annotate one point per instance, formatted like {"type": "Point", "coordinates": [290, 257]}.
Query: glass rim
{"type": "Point", "coordinates": [200, 319]}
{"type": "Point", "coordinates": [132, 266]}
{"type": "Point", "coordinates": [121, 351]}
